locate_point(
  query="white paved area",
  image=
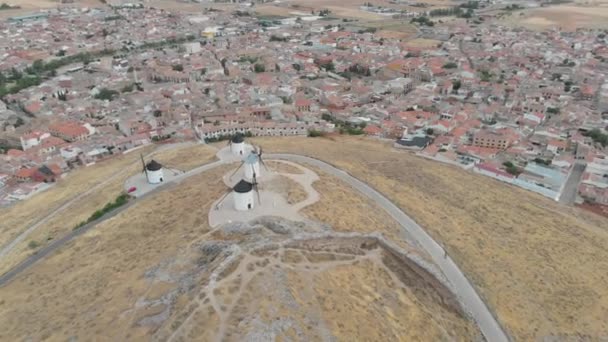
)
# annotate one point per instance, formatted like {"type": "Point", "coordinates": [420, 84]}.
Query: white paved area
{"type": "Point", "coordinates": [270, 203]}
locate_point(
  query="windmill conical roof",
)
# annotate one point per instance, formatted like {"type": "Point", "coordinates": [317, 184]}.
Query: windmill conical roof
{"type": "Point", "coordinates": [237, 139]}
{"type": "Point", "coordinates": [153, 165]}
{"type": "Point", "coordinates": [243, 186]}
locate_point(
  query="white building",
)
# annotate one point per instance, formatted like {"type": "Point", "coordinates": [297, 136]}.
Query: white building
{"type": "Point", "coordinates": [154, 172]}
{"type": "Point", "coordinates": [237, 145]}
{"type": "Point", "coordinates": [243, 196]}
{"type": "Point", "coordinates": [33, 139]}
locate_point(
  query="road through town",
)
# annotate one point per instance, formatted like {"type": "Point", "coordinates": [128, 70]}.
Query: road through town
{"type": "Point", "coordinates": [465, 291]}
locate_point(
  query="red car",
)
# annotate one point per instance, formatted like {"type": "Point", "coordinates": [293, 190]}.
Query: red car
{"type": "Point", "coordinates": [131, 189]}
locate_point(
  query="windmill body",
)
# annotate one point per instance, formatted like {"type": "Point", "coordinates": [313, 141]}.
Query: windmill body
{"type": "Point", "coordinates": [237, 145]}
{"type": "Point", "coordinates": [243, 195]}
{"type": "Point", "coordinates": [154, 172]}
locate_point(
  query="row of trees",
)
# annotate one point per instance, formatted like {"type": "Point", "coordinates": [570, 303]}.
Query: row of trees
{"type": "Point", "coordinates": [345, 127]}
{"type": "Point", "coordinates": [423, 21]}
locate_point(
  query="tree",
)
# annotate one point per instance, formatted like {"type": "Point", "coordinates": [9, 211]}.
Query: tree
{"type": "Point", "coordinates": [16, 74]}
{"type": "Point", "coordinates": [313, 133]}
{"type": "Point", "coordinates": [106, 94]}
{"type": "Point", "coordinates": [19, 122]}
{"type": "Point", "coordinates": [259, 68]}
{"type": "Point", "coordinates": [450, 65]}
{"type": "Point", "coordinates": [456, 84]}
{"type": "Point", "coordinates": [157, 113]}
{"type": "Point", "coordinates": [511, 168]}
{"type": "Point", "coordinates": [296, 67]}
{"type": "Point", "coordinates": [178, 67]}
{"type": "Point", "coordinates": [127, 89]}
{"type": "Point", "coordinates": [329, 66]}
{"type": "Point", "coordinates": [429, 131]}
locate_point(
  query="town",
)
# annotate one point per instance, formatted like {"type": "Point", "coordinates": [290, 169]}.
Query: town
{"type": "Point", "coordinates": [79, 86]}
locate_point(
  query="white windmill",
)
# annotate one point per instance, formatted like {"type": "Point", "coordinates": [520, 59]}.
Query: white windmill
{"type": "Point", "coordinates": [237, 144]}
{"type": "Point", "coordinates": [155, 171]}
{"type": "Point", "coordinates": [251, 164]}
{"type": "Point", "coordinates": [243, 195]}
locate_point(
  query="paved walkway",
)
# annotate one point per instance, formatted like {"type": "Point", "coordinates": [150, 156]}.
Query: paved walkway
{"type": "Point", "coordinates": [568, 195]}
{"type": "Point", "coordinates": [270, 203]}
{"type": "Point", "coordinates": [465, 291]}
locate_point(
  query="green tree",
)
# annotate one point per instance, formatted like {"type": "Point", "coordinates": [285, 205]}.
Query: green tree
{"type": "Point", "coordinates": [106, 94]}
{"type": "Point", "coordinates": [259, 68]}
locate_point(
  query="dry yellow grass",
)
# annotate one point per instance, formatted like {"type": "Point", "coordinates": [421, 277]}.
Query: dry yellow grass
{"type": "Point", "coordinates": [182, 157]}
{"type": "Point", "coordinates": [23, 214]}
{"type": "Point", "coordinates": [288, 188]}
{"type": "Point", "coordinates": [346, 210]}
{"type": "Point", "coordinates": [187, 157]}
{"type": "Point", "coordinates": [94, 287]}
{"type": "Point", "coordinates": [565, 17]}
{"type": "Point", "coordinates": [280, 167]}
{"type": "Point", "coordinates": [422, 43]}
{"type": "Point", "coordinates": [541, 266]}
{"type": "Point", "coordinates": [365, 311]}
{"type": "Point", "coordinates": [89, 287]}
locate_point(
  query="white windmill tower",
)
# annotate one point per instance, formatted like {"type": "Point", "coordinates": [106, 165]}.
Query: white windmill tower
{"type": "Point", "coordinates": [237, 144]}
{"type": "Point", "coordinates": [251, 164]}
{"type": "Point", "coordinates": [155, 171]}
{"type": "Point", "coordinates": [243, 195]}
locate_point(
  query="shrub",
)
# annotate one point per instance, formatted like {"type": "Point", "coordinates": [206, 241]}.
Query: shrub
{"type": "Point", "coordinates": [106, 94]}
{"type": "Point", "coordinates": [259, 68]}
{"type": "Point", "coordinates": [312, 133]}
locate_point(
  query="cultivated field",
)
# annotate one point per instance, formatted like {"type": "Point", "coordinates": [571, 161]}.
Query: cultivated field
{"type": "Point", "coordinates": [157, 271]}
{"type": "Point", "coordinates": [32, 6]}
{"type": "Point", "coordinates": [541, 266]}
{"type": "Point", "coordinates": [565, 17]}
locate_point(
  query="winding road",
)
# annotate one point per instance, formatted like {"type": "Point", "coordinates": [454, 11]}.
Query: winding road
{"type": "Point", "coordinates": [465, 291]}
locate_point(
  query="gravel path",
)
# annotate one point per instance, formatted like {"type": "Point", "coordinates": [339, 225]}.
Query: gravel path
{"type": "Point", "coordinates": [467, 294]}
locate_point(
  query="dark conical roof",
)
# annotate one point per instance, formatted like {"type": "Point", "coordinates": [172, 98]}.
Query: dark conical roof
{"type": "Point", "coordinates": [153, 165]}
{"type": "Point", "coordinates": [243, 186]}
{"type": "Point", "coordinates": [237, 139]}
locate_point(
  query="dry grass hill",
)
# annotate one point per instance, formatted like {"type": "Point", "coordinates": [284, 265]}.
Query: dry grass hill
{"type": "Point", "coordinates": [541, 266]}
{"type": "Point", "coordinates": [158, 271]}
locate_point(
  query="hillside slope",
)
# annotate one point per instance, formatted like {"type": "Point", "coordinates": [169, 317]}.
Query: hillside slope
{"type": "Point", "coordinates": [541, 266]}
